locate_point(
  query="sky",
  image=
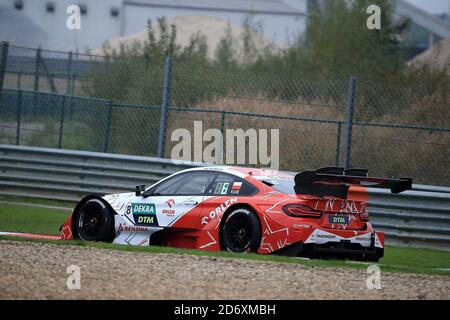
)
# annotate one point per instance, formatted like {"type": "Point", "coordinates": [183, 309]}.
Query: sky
{"type": "Point", "coordinates": [432, 6]}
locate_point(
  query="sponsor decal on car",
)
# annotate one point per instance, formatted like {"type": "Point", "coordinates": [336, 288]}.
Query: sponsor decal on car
{"type": "Point", "coordinates": [170, 211]}
{"type": "Point", "coordinates": [321, 236]}
{"type": "Point", "coordinates": [170, 203]}
{"type": "Point", "coordinates": [301, 226]}
{"type": "Point", "coordinates": [338, 219]}
{"type": "Point", "coordinates": [144, 214]}
{"type": "Point", "coordinates": [326, 236]}
{"type": "Point", "coordinates": [125, 228]}
{"type": "Point", "coordinates": [219, 211]}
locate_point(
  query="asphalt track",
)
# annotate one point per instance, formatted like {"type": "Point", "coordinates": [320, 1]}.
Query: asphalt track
{"type": "Point", "coordinates": [31, 270]}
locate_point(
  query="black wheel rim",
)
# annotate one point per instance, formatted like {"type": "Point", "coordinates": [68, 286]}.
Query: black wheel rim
{"type": "Point", "coordinates": [90, 222]}
{"type": "Point", "coordinates": [238, 233]}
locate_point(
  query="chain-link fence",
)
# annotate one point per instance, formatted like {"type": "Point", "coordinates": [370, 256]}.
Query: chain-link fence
{"type": "Point", "coordinates": [132, 105]}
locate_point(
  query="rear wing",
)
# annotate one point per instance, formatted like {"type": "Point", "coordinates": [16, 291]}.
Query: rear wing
{"type": "Point", "coordinates": [336, 181]}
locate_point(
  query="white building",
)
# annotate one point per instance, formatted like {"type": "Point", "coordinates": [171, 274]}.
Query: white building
{"type": "Point", "coordinates": [35, 23]}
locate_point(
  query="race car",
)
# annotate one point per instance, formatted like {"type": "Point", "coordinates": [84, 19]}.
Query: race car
{"type": "Point", "coordinates": [312, 213]}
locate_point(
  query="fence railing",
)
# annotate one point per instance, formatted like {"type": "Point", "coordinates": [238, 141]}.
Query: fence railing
{"type": "Point", "coordinates": [101, 125]}
{"type": "Point", "coordinates": [419, 218]}
{"type": "Point", "coordinates": [133, 105]}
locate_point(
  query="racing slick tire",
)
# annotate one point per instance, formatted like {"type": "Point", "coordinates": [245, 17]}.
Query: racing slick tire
{"type": "Point", "coordinates": [241, 231]}
{"type": "Point", "coordinates": [94, 222]}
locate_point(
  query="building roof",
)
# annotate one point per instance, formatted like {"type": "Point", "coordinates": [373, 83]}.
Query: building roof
{"type": "Point", "coordinates": [246, 6]}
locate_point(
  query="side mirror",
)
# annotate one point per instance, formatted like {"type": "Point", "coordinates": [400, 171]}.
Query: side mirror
{"type": "Point", "coordinates": [140, 189]}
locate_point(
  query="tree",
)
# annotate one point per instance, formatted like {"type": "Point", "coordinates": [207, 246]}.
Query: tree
{"type": "Point", "coordinates": [225, 54]}
{"type": "Point", "coordinates": [337, 40]}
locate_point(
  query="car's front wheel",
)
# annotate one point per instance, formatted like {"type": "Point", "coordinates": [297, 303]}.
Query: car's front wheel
{"type": "Point", "coordinates": [241, 231]}
{"type": "Point", "coordinates": [95, 222]}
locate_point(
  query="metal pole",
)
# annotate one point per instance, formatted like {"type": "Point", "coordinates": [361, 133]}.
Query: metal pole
{"type": "Point", "coordinates": [19, 116]}
{"type": "Point", "coordinates": [108, 127]}
{"type": "Point", "coordinates": [165, 107]}
{"type": "Point", "coordinates": [222, 123]}
{"type": "Point", "coordinates": [349, 122]}
{"type": "Point", "coordinates": [3, 60]}
{"type": "Point", "coordinates": [338, 143]}
{"type": "Point", "coordinates": [19, 80]}
{"type": "Point", "coordinates": [71, 94]}
{"type": "Point", "coordinates": [36, 69]}
{"type": "Point", "coordinates": [69, 72]}
{"type": "Point", "coordinates": [36, 76]}
{"type": "Point", "coordinates": [61, 123]}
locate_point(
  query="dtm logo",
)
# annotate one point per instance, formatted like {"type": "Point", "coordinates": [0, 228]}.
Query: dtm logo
{"type": "Point", "coordinates": [338, 219]}
{"type": "Point", "coordinates": [144, 214]}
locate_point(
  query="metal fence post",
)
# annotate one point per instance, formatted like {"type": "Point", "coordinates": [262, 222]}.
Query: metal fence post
{"type": "Point", "coordinates": [165, 107]}
{"type": "Point", "coordinates": [36, 69]}
{"type": "Point", "coordinates": [3, 60]}
{"type": "Point", "coordinates": [349, 122]}
{"type": "Point", "coordinates": [69, 73]}
{"type": "Point", "coordinates": [19, 116]}
{"type": "Point", "coordinates": [61, 122]}
{"type": "Point", "coordinates": [36, 77]}
{"type": "Point", "coordinates": [71, 94]}
{"type": "Point", "coordinates": [222, 123]}
{"type": "Point", "coordinates": [108, 127]}
{"type": "Point", "coordinates": [338, 143]}
{"type": "Point", "coordinates": [19, 81]}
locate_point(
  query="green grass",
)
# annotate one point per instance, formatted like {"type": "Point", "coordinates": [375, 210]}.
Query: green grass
{"type": "Point", "coordinates": [46, 221]}
{"type": "Point", "coordinates": [67, 204]}
{"type": "Point", "coordinates": [32, 220]}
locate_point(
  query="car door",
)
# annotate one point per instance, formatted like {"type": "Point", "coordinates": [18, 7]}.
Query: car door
{"type": "Point", "coordinates": [168, 201]}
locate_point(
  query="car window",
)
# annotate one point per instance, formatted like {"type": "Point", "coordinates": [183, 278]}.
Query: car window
{"type": "Point", "coordinates": [190, 183]}
{"type": "Point", "coordinates": [229, 185]}
{"type": "Point", "coordinates": [282, 185]}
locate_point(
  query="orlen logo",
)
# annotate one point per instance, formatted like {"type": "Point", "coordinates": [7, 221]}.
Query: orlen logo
{"type": "Point", "coordinates": [169, 212]}
{"type": "Point", "coordinates": [170, 203]}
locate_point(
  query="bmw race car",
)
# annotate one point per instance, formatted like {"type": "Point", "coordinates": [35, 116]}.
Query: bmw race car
{"type": "Point", "coordinates": [312, 213]}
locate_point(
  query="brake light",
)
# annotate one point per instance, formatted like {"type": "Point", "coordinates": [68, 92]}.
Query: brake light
{"type": "Point", "coordinates": [301, 211]}
{"type": "Point", "coordinates": [364, 216]}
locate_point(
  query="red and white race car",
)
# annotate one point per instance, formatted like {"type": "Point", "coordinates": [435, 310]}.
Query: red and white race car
{"type": "Point", "coordinates": [241, 210]}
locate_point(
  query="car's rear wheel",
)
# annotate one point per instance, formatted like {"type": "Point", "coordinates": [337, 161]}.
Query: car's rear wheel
{"type": "Point", "coordinates": [95, 222]}
{"type": "Point", "coordinates": [241, 231]}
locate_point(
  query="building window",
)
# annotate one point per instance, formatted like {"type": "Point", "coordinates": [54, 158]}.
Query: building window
{"type": "Point", "coordinates": [50, 7]}
{"type": "Point", "coordinates": [83, 9]}
{"type": "Point", "coordinates": [114, 12]}
{"type": "Point", "coordinates": [18, 4]}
